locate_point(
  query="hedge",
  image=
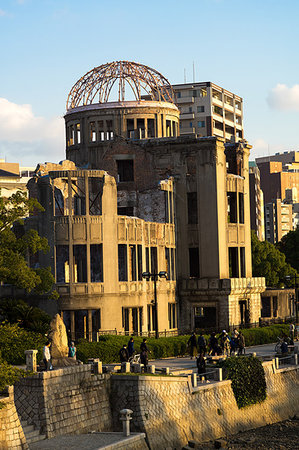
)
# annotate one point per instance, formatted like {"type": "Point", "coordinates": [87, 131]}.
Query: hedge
{"type": "Point", "coordinates": [248, 379]}
{"type": "Point", "coordinates": [108, 347]}
{"type": "Point", "coordinates": [15, 340]}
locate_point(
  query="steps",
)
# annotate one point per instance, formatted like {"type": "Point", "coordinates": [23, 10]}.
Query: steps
{"type": "Point", "coordinates": [32, 435]}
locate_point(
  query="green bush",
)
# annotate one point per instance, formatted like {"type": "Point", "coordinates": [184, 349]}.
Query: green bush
{"type": "Point", "coordinates": [107, 349]}
{"type": "Point", "coordinates": [15, 340]}
{"type": "Point", "coordinates": [10, 375]}
{"type": "Point", "coordinates": [248, 379]}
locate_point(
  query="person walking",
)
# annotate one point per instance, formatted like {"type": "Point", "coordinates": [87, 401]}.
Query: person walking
{"type": "Point", "coordinates": [131, 349]}
{"type": "Point", "coordinates": [144, 351]}
{"type": "Point", "coordinates": [202, 344]}
{"type": "Point", "coordinates": [213, 344]}
{"type": "Point", "coordinates": [241, 344]}
{"type": "Point", "coordinates": [72, 351]}
{"type": "Point", "coordinates": [225, 343]}
{"type": "Point", "coordinates": [47, 356]}
{"type": "Point", "coordinates": [124, 354]}
{"type": "Point", "coordinates": [192, 345]}
{"type": "Point", "coordinates": [292, 331]}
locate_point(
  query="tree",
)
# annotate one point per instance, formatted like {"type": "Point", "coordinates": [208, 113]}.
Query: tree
{"type": "Point", "coordinates": [15, 249]}
{"type": "Point", "coordinates": [269, 262]}
{"type": "Point", "coordinates": [289, 245]}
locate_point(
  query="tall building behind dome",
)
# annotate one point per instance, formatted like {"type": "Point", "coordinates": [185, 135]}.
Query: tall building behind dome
{"type": "Point", "coordinates": [136, 197]}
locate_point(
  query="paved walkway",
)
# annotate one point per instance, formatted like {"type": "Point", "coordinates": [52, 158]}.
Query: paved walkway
{"type": "Point", "coordinates": [187, 363]}
{"type": "Point", "coordinates": [90, 441]}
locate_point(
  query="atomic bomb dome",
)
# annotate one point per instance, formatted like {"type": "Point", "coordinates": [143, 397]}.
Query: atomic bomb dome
{"type": "Point", "coordinates": [123, 100]}
{"type": "Point", "coordinates": [97, 85]}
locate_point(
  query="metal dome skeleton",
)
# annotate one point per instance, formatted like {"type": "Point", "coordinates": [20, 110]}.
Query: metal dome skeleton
{"type": "Point", "coordinates": [96, 85]}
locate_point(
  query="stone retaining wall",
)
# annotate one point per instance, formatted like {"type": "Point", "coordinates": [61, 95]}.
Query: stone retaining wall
{"type": "Point", "coordinates": [68, 400]}
{"type": "Point", "coordinates": [11, 431]}
{"type": "Point", "coordinates": [171, 412]}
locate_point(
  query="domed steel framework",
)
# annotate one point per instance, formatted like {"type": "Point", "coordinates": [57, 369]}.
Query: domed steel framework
{"type": "Point", "coordinates": [96, 85]}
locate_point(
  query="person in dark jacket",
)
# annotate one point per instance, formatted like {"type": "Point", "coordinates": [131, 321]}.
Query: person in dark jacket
{"type": "Point", "coordinates": [202, 344]}
{"type": "Point", "coordinates": [124, 354]}
{"type": "Point", "coordinates": [213, 344]}
{"type": "Point", "coordinates": [144, 351]}
{"type": "Point", "coordinates": [241, 344]}
{"type": "Point", "coordinates": [192, 345]}
{"type": "Point", "coordinates": [131, 349]}
{"type": "Point", "coordinates": [201, 364]}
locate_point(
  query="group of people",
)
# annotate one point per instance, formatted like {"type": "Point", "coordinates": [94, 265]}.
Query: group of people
{"type": "Point", "coordinates": [128, 351]}
{"type": "Point", "coordinates": [47, 359]}
{"type": "Point", "coordinates": [221, 345]}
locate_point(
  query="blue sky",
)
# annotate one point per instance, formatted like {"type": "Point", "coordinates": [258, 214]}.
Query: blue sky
{"type": "Point", "coordinates": [248, 47]}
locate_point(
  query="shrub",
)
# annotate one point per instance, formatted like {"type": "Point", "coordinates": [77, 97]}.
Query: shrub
{"type": "Point", "coordinates": [15, 340]}
{"type": "Point", "coordinates": [248, 379]}
{"type": "Point", "coordinates": [10, 375]}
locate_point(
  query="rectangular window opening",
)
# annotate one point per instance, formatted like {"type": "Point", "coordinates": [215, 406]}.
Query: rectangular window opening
{"type": "Point", "coordinates": [122, 263]}
{"type": "Point", "coordinates": [62, 264]}
{"type": "Point", "coordinates": [192, 207]}
{"type": "Point", "coordinates": [80, 267]}
{"type": "Point", "coordinates": [194, 262]}
{"type": "Point", "coordinates": [96, 263]}
{"type": "Point", "coordinates": [125, 170]}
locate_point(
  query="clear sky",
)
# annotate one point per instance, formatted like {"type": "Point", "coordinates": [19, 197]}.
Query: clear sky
{"type": "Point", "coordinates": [249, 47]}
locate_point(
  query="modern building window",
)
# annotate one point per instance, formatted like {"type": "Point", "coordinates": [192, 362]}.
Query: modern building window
{"type": "Point", "coordinates": [194, 262]}
{"type": "Point", "coordinates": [80, 266]}
{"type": "Point", "coordinates": [92, 132]}
{"type": "Point", "coordinates": [200, 109]}
{"type": "Point", "coordinates": [190, 124]}
{"type": "Point", "coordinates": [62, 264]}
{"type": "Point", "coordinates": [96, 263]}
{"type": "Point", "coordinates": [190, 109]}
{"type": "Point", "coordinates": [192, 207]}
{"type": "Point", "coordinates": [233, 262]}
{"type": "Point", "coordinates": [122, 263]}
{"type": "Point", "coordinates": [178, 94]}
{"type": "Point", "coordinates": [125, 170]}
{"type": "Point", "coordinates": [201, 123]}
{"type": "Point", "coordinates": [232, 207]}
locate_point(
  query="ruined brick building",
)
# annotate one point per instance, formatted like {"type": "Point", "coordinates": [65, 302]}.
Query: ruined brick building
{"type": "Point", "coordinates": [133, 197]}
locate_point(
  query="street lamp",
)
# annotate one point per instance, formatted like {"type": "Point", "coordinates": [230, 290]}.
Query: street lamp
{"type": "Point", "coordinates": [154, 276]}
{"type": "Point", "coordinates": [295, 277]}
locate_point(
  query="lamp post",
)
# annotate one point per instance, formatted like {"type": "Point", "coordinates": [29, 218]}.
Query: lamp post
{"type": "Point", "coordinates": [295, 277]}
{"type": "Point", "coordinates": [154, 276]}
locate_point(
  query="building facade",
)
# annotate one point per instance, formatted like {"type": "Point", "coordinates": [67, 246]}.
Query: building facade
{"type": "Point", "coordinates": [257, 221]}
{"type": "Point", "coordinates": [194, 224]}
{"type": "Point", "coordinates": [278, 220]}
{"type": "Point", "coordinates": [209, 110]}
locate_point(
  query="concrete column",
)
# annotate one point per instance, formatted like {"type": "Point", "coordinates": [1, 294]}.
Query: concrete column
{"type": "Point", "coordinates": [70, 217]}
{"type": "Point", "coordinates": [73, 331]}
{"type": "Point", "coordinates": [145, 128]}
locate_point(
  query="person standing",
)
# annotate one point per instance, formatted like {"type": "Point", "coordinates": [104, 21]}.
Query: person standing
{"type": "Point", "coordinates": [131, 349]}
{"type": "Point", "coordinates": [72, 351]}
{"type": "Point", "coordinates": [192, 345]}
{"type": "Point", "coordinates": [47, 356]}
{"type": "Point", "coordinates": [144, 351]}
{"type": "Point", "coordinates": [292, 331]}
{"type": "Point", "coordinates": [202, 344]}
{"type": "Point", "coordinates": [124, 354]}
{"type": "Point", "coordinates": [201, 364]}
{"type": "Point", "coordinates": [241, 344]}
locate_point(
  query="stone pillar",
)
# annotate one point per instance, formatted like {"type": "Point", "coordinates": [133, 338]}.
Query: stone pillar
{"type": "Point", "coordinates": [31, 360]}
{"type": "Point", "coordinates": [194, 379]}
{"type": "Point", "coordinates": [73, 333]}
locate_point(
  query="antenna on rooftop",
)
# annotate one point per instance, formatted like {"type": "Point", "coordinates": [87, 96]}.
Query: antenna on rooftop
{"type": "Point", "coordinates": [193, 73]}
{"type": "Point", "coordinates": [185, 76]}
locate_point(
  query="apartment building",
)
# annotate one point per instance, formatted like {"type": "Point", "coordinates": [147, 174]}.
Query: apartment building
{"type": "Point", "coordinates": [278, 220]}
{"type": "Point", "coordinates": [209, 110]}
{"type": "Point", "coordinates": [13, 178]}
{"type": "Point", "coordinates": [257, 221]}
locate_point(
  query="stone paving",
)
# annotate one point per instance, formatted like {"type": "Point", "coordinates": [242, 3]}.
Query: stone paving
{"type": "Point", "coordinates": [90, 441]}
